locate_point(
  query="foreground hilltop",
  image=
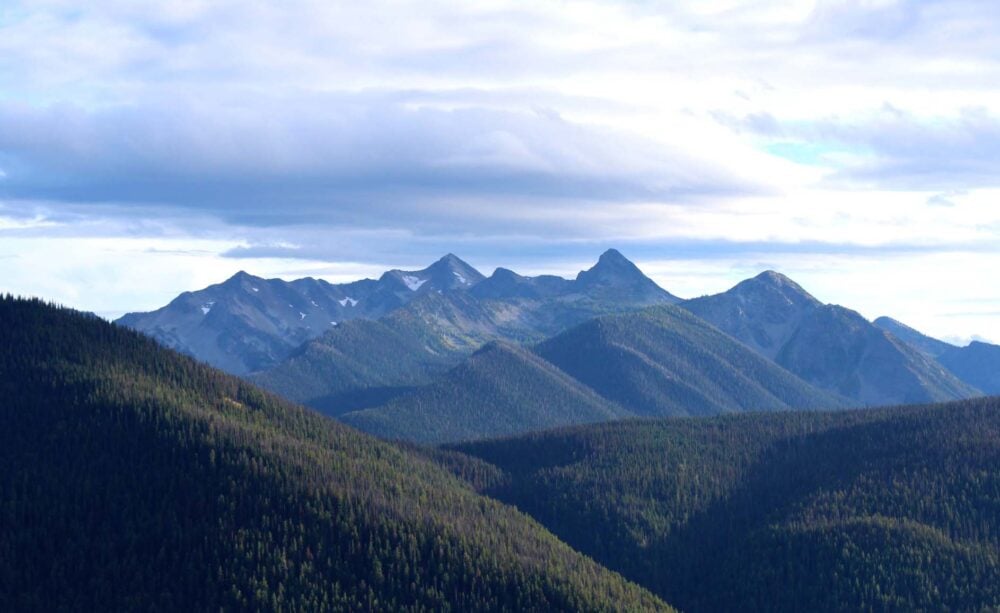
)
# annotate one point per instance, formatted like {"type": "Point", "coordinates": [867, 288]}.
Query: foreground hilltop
{"type": "Point", "coordinates": [144, 480]}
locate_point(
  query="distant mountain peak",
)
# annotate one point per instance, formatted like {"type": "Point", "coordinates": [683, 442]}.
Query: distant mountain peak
{"type": "Point", "coordinates": [611, 263]}
{"type": "Point", "coordinates": [613, 255]}
{"type": "Point", "coordinates": [773, 281]}
{"type": "Point", "coordinates": [240, 276]}
{"type": "Point", "coordinates": [613, 271]}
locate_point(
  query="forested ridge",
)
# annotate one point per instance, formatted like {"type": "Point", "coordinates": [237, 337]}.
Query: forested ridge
{"type": "Point", "coordinates": [502, 389]}
{"type": "Point", "coordinates": [664, 361]}
{"type": "Point", "coordinates": [135, 478]}
{"type": "Point", "coordinates": [881, 509]}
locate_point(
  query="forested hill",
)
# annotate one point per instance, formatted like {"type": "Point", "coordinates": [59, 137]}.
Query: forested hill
{"type": "Point", "coordinates": [132, 478]}
{"type": "Point", "coordinates": [502, 389]}
{"type": "Point", "coordinates": [884, 509]}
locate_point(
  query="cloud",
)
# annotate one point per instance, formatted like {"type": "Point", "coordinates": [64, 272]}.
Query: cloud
{"type": "Point", "coordinates": [367, 159]}
{"type": "Point", "coordinates": [891, 148]}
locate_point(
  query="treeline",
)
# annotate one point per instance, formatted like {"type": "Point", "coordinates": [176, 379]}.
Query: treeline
{"type": "Point", "coordinates": [888, 509]}
{"type": "Point", "coordinates": [134, 478]}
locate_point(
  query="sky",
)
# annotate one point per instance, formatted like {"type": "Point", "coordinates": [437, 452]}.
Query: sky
{"type": "Point", "coordinates": [151, 148]}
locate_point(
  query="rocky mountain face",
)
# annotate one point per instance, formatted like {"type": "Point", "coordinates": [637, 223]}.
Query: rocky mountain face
{"type": "Point", "coordinates": [246, 323]}
{"type": "Point", "coordinates": [828, 346]}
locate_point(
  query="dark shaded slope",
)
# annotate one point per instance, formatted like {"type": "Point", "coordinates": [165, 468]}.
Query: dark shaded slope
{"type": "Point", "coordinates": [883, 509]}
{"type": "Point", "coordinates": [665, 361]}
{"type": "Point", "coordinates": [500, 390]}
{"type": "Point", "coordinates": [134, 478]}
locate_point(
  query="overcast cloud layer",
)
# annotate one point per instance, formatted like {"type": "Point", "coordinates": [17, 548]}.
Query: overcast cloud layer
{"type": "Point", "coordinates": [147, 149]}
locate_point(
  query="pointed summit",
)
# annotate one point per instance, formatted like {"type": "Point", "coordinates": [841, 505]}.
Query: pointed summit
{"type": "Point", "coordinates": [611, 265]}
{"type": "Point", "coordinates": [449, 272]}
{"type": "Point", "coordinates": [614, 273]}
{"type": "Point", "coordinates": [239, 277]}
{"type": "Point", "coordinates": [457, 267]}
{"type": "Point", "coordinates": [771, 286]}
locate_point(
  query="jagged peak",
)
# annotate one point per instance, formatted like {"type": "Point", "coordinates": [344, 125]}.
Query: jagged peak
{"type": "Point", "coordinates": [611, 261]}
{"type": "Point", "coordinates": [613, 256]}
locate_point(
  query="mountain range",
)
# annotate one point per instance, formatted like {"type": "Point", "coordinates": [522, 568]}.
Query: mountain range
{"type": "Point", "coordinates": [403, 362]}
{"type": "Point", "coordinates": [246, 323]}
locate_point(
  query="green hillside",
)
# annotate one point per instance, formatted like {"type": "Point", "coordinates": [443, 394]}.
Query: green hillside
{"type": "Point", "coordinates": [359, 363]}
{"type": "Point", "coordinates": [500, 390]}
{"type": "Point", "coordinates": [137, 479]}
{"type": "Point", "coordinates": [664, 361]}
{"type": "Point", "coordinates": [884, 509]}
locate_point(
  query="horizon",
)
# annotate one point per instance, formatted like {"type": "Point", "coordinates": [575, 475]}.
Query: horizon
{"type": "Point", "coordinates": [849, 145]}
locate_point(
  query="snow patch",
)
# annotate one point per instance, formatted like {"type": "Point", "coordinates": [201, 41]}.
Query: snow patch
{"type": "Point", "coordinates": [301, 315]}
{"type": "Point", "coordinates": [333, 323]}
{"type": "Point", "coordinates": [254, 288]}
{"type": "Point", "coordinates": [413, 283]}
{"type": "Point", "coordinates": [205, 308]}
{"type": "Point", "coordinates": [313, 302]}
{"type": "Point", "coordinates": [460, 278]}
{"type": "Point", "coordinates": [348, 301]}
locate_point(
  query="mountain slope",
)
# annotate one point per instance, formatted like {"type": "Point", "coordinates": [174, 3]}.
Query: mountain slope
{"type": "Point", "coordinates": [839, 350]}
{"type": "Point", "coordinates": [664, 361]}
{"type": "Point", "coordinates": [882, 509]}
{"type": "Point", "coordinates": [144, 480]}
{"type": "Point", "coordinates": [977, 364]}
{"type": "Point", "coordinates": [357, 364]}
{"type": "Point", "coordinates": [500, 390]}
{"type": "Point", "coordinates": [246, 323]}
{"type": "Point", "coordinates": [927, 345]}
{"type": "Point", "coordinates": [826, 345]}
